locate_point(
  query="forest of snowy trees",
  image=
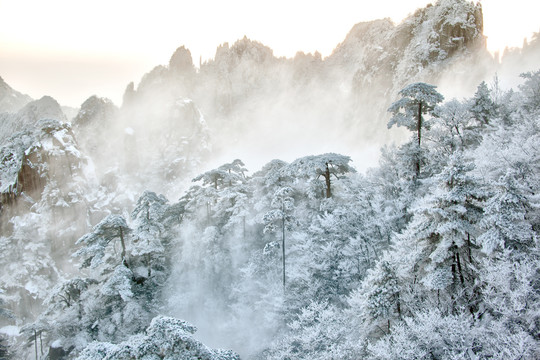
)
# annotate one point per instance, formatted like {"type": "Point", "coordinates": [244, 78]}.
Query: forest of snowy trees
{"type": "Point", "coordinates": [124, 235]}
{"type": "Point", "coordinates": [433, 254]}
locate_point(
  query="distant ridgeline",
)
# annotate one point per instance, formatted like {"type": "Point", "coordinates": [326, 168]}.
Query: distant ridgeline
{"type": "Point", "coordinates": [433, 254]}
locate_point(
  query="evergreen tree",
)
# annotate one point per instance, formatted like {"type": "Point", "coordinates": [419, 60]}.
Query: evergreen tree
{"type": "Point", "coordinates": [97, 243]}
{"type": "Point", "coordinates": [325, 166]}
{"type": "Point", "coordinates": [165, 338]}
{"type": "Point", "coordinates": [482, 106]}
{"type": "Point", "coordinates": [417, 100]}
{"type": "Point", "coordinates": [147, 240]}
{"type": "Point", "coordinates": [530, 91]}
{"type": "Point", "coordinates": [283, 204]}
{"type": "Point", "coordinates": [378, 301]}
{"type": "Point", "coordinates": [504, 223]}
{"type": "Point", "coordinates": [225, 175]}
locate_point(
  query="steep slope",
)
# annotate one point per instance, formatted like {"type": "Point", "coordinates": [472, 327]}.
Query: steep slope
{"type": "Point", "coordinates": [19, 132]}
{"type": "Point", "coordinates": [10, 99]}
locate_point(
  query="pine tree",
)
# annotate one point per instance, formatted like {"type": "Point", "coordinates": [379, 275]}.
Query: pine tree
{"type": "Point", "coordinates": [165, 338]}
{"type": "Point", "coordinates": [504, 223]}
{"type": "Point", "coordinates": [482, 106]}
{"type": "Point", "coordinates": [103, 236]}
{"type": "Point", "coordinates": [417, 100]}
{"type": "Point", "coordinates": [147, 238]}
{"type": "Point", "coordinates": [325, 166]}
{"type": "Point", "coordinates": [282, 214]}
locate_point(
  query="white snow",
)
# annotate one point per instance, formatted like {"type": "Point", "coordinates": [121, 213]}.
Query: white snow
{"type": "Point", "coordinates": [10, 330]}
{"type": "Point", "coordinates": [56, 344]}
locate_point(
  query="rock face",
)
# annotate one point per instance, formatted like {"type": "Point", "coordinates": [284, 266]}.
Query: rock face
{"type": "Point", "coordinates": [181, 62]}
{"type": "Point", "coordinates": [48, 156]}
{"type": "Point", "coordinates": [22, 168]}
{"type": "Point", "coordinates": [422, 46]}
{"type": "Point", "coordinates": [95, 112]}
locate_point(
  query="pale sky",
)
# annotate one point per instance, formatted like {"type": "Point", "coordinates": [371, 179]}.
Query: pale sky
{"type": "Point", "coordinates": [72, 49]}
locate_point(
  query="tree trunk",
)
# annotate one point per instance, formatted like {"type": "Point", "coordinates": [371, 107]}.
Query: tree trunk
{"type": "Point", "coordinates": [469, 251]}
{"type": "Point", "coordinates": [398, 305]}
{"type": "Point", "coordinates": [35, 343]}
{"type": "Point", "coordinates": [327, 179]}
{"type": "Point", "coordinates": [453, 287]}
{"type": "Point", "coordinates": [124, 261]}
{"type": "Point", "coordinates": [244, 227]}
{"type": "Point", "coordinates": [149, 264]}
{"type": "Point", "coordinates": [419, 121]}
{"type": "Point", "coordinates": [460, 272]}
{"type": "Point", "coordinates": [419, 130]}
{"type": "Point", "coordinates": [283, 247]}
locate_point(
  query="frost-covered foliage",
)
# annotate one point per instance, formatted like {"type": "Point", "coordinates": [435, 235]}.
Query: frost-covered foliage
{"type": "Point", "coordinates": [433, 254]}
{"type": "Point", "coordinates": [458, 279]}
{"type": "Point", "coordinates": [28, 116]}
{"type": "Point", "coordinates": [94, 253]}
{"type": "Point", "coordinates": [311, 260]}
{"type": "Point", "coordinates": [165, 338]}
{"type": "Point", "coordinates": [417, 99]}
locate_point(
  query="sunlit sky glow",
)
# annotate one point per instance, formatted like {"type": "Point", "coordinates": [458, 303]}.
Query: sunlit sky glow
{"type": "Point", "coordinates": [72, 49]}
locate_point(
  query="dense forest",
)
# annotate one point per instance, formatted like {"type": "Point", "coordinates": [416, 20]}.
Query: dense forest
{"type": "Point", "coordinates": [119, 241]}
{"type": "Point", "coordinates": [434, 254]}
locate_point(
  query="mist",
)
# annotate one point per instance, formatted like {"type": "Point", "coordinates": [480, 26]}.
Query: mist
{"type": "Point", "coordinates": [179, 121]}
{"type": "Point", "coordinates": [248, 104]}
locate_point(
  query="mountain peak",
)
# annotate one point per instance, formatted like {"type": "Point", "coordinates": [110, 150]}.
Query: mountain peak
{"type": "Point", "coordinates": [10, 99]}
{"type": "Point", "coordinates": [181, 60]}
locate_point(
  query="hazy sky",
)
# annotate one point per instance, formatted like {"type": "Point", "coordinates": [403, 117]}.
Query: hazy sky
{"type": "Point", "coordinates": [72, 49]}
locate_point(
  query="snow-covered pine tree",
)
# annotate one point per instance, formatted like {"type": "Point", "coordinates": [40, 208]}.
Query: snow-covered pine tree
{"type": "Point", "coordinates": [316, 166]}
{"type": "Point", "coordinates": [104, 236]}
{"type": "Point", "coordinates": [417, 100]}
{"type": "Point", "coordinates": [147, 242]}
{"type": "Point", "coordinates": [165, 338]}
{"type": "Point", "coordinates": [281, 216]}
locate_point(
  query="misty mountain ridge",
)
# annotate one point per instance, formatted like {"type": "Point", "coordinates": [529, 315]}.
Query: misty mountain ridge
{"type": "Point", "coordinates": [11, 100]}
{"type": "Point", "coordinates": [254, 102]}
{"type": "Point", "coordinates": [96, 261]}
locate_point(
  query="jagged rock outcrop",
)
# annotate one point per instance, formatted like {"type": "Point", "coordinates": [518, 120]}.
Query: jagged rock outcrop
{"type": "Point", "coordinates": [181, 63]}
{"type": "Point", "coordinates": [526, 58]}
{"type": "Point", "coordinates": [21, 172]}
{"type": "Point", "coordinates": [46, 180]}
{"type": "Point", "coordinates": [28, 116]}
{"type": "Point", "coordinates": [95, 112]}
{"type": "Point", "coordinates": [33, 161]}
{"type": "Point", "coordinates": [422, 48]}
{"type": "Point", "coordinates": [245, 86]}
{"type": "Point", "coordinates": [92, 123]}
